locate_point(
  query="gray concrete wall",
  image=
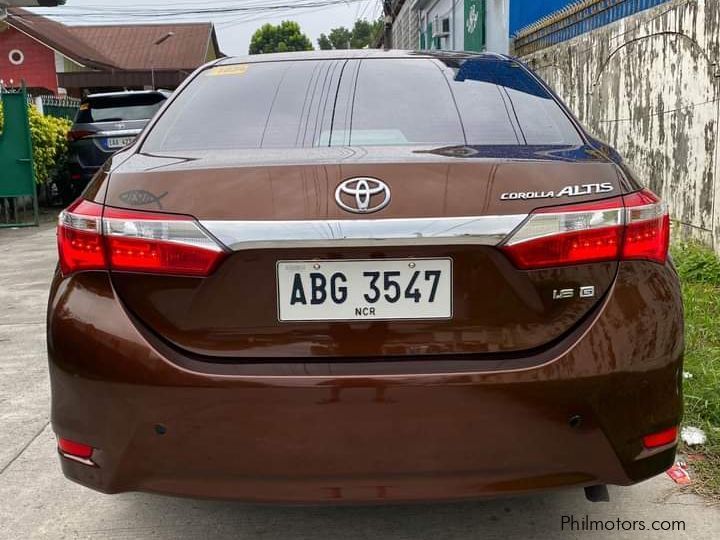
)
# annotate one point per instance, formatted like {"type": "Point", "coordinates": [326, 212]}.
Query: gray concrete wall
{"type": "Point", "coordinates": [405, 29]}
{"type": "Point", "coordinates": [649, 85]}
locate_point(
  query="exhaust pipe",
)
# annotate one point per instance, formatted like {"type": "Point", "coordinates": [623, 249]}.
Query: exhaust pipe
{"type": "Point", "coordinates": [598, 493]}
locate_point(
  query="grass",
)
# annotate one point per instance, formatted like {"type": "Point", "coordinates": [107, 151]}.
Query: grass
{"type": "Point", "coordinates": [699, 271]}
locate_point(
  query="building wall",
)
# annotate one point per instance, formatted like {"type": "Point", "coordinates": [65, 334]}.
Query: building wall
{"type": "Point", "coordinates": [649, 85]}
{"type": "Point", "coordinates": [405, 30]}
{"type": "Point", "coordinates": [428, 10]}
{"type": "Point", "coordinates": [38, 65]}
{"type": "Point", "coordinates": [475, 25]}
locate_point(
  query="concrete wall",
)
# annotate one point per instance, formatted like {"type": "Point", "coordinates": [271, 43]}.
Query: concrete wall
{"type": "Point", "coordinates": [649, 85]}
{"type": "Point", "coordinates": [405, 29]}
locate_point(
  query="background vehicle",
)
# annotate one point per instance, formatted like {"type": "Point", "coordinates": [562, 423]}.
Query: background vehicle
{"type": "Point", "coordinates": [376, 276]}
{"type": "Point", "coordinates": [104, 124]}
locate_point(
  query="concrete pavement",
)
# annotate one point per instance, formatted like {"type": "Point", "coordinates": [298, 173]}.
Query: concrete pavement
{"type": "Point", "coordinates": [37, 502]}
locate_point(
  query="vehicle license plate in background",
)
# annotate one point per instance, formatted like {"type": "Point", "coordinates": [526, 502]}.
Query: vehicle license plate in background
{"type": "Point", "coordinates": [373, 289]}
{"type": "Point", "coordinates": [119, 142]}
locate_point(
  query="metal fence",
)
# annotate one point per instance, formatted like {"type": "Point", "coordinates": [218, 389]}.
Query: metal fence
{"type": "Point", "coordinates": [59, 107]}
{"type": "Point", "coordinates": [574, 20]}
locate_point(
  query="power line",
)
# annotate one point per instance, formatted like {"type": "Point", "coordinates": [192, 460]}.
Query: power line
{"type": "Point", "coordinates": [127, 12]}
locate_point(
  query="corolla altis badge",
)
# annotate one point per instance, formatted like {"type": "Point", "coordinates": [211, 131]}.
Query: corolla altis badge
{"type": "Point", "coordinates": [362, 195]}
{"type": "Point", "coordinates": [568, 191]}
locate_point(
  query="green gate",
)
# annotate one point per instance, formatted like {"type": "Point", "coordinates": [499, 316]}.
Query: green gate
{"type": "Point", "coordinates": [18, 196]}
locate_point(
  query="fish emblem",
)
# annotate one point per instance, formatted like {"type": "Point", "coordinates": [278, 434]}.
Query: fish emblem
{"type": "Point", "coordinates": [140, 197]}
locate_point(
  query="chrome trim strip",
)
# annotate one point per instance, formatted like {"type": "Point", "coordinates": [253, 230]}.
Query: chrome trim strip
{"type": "Point", "coordinates": [78, 459]}
{"type": "Point", "coordinates": [477, 230]}
{"type": "Point", "coordinates": [117, 133]}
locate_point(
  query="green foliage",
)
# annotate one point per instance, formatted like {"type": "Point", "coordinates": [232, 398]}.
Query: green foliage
{"type": "Point", "coordinates": [324, 43]}
{"type": "Point", "coordinates": [362, 35]}
{"type": "Point", "coordinates": [699, 270]}
{"type": "Point", "coordinates": [339, 38]}
{"type": "Point", "coordinates": [696, 264]}
{"type": "Point", "coordinates": [49, 140]}
{"type": "Point", "coordinates": [283, 37]}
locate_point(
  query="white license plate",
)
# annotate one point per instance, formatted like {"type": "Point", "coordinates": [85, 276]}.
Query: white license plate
{"type": "Point", "coordinates": [373, 289]}
{"type": "Point", "coordinates": [119, 142]}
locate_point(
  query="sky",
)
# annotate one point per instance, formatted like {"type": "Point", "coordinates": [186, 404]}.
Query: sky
{"type": "Point", "coordinates": [234, 29]}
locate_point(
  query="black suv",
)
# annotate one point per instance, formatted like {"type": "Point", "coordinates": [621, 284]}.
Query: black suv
{"type": "Point", "coordinates": [104, 124]}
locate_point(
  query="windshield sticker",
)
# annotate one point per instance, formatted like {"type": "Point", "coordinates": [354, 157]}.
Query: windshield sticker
{"type": "Point", "coordinates": [228, 70]}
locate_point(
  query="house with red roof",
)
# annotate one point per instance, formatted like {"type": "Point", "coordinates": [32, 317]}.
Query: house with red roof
{"type": "Point", "coordinates": [52, 57]}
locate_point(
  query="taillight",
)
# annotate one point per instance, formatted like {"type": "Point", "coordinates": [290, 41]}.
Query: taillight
{"type": "Point", "coordinates": [647, 227]}
{"type": "Point", "coordinates": [80, 243]}
{"type": "Point", "coordinates": [78, 134]}
{"type": "Point", "coordinates": [159, 243]}
{"type": "Point", "coordinates": [132, 241]}
{"type": "Point", "coordinates": [631, 227]}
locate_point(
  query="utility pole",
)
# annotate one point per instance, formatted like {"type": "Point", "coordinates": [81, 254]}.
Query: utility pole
{"type": "Point", "coordinates": [388, 11]}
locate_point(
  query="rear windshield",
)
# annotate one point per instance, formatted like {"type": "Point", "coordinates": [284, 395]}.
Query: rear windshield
{"type": "Point", "coordinates": [120, 108]}
{"type": "Point", "coordinates": [369, 102]}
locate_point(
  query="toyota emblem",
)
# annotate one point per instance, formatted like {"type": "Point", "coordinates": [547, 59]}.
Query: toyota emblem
{"type": "Point", "coordinates": [362, 195]}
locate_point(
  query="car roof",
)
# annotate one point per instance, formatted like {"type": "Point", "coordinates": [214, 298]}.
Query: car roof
{"type": "Point", "coordinates": [356, 53]}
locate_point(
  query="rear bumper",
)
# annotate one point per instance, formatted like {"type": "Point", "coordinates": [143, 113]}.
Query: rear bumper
{"type": "Point", "coordinates": [366, 437]}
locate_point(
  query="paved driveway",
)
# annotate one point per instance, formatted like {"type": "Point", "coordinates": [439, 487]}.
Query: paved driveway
{"type": "Point", "coordinates": [37, 502]}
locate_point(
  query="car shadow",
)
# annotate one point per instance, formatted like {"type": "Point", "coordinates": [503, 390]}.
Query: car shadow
{"type": "Point", "coordinates": [532, 516]}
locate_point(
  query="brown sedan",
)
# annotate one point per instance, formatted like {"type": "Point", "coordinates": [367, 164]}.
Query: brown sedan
{"type": "Point", "coordinates": [364, 276]}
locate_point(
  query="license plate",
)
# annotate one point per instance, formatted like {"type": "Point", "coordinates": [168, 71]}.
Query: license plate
{"type": "Point", "coordinates": [119, 142]}
{"type": "Point", "coordinates": [374, 289]}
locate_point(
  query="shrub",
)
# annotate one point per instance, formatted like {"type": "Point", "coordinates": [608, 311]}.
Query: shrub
{"type": "Point", "coordinates": [49, 140]}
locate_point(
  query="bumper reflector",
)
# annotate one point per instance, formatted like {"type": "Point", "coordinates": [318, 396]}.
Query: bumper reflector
{"type": "Point", "coordinates": [74, 449]}
{"type": "Point", "coordinates": [661, 438]}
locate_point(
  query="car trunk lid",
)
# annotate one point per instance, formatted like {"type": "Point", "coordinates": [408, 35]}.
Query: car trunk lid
{"type": "Point", "coordinates": [453, 204]}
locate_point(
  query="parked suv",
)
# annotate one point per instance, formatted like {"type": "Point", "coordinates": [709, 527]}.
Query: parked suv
{"type": "Point", "coordinates": [104, 124]}
{"type": "Point", "coordinates": [365, 276]}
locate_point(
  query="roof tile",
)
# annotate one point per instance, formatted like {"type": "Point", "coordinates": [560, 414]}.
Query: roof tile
{"type": "Point", "coordinates": [129, 47]}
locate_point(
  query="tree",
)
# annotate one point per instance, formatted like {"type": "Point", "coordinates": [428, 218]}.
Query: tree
{"type": "Point", "coordinates": [324, 43]}
{"type": "Point", "coordinates": [340, 38]}
{"type": "Point", "coordinates": [283, 37]}
{"type": "Point", "coordinates": [362, 35]}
